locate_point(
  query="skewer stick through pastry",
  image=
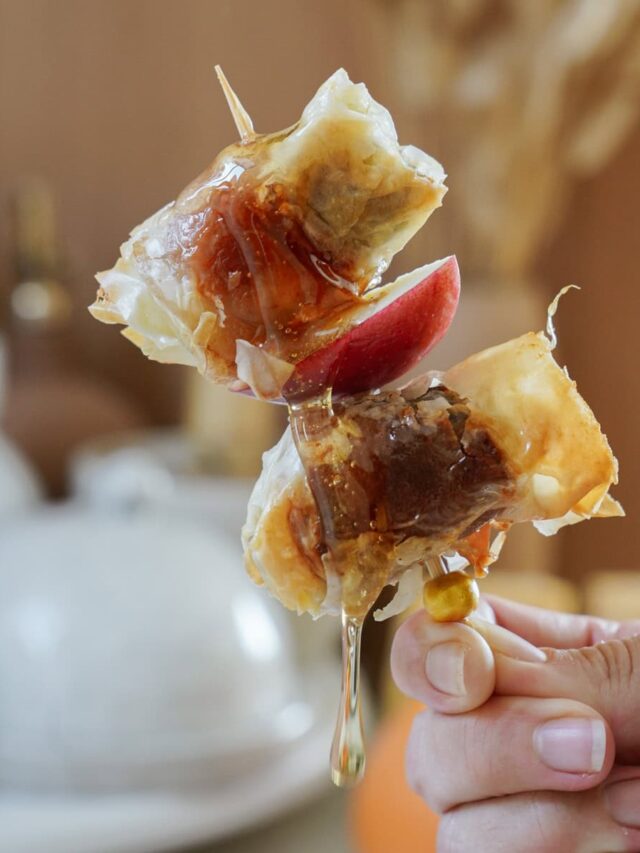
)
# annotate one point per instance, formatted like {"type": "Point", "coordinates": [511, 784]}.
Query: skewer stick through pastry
{"type": "Point", "coordinates": [241, 117]}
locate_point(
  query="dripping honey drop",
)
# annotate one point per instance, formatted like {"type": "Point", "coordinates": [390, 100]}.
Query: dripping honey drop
{"type": "Point", "coordinates": [347, 751]}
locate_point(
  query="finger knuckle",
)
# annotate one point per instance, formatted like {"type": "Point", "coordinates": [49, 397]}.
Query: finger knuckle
{"type": "Point", "coordinates": [452, 837]}
{"type": "Point", "coordinates": [544, 834]}
{"type": "Point", "coordinates": [431, 762]}
{"type": "Point", "coordinates": [416, 755]}
{"type": "Point", "coordinates": [475, 753]}
{"type": "Point", "coordinates": [491, 827]}
{"type": "Point", "coordinates": [479, 828]}
{"type": "Point", "coordinates": [615, 663]}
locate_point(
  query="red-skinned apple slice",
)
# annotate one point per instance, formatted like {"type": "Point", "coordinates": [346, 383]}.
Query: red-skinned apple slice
{"type": "Point", "coordinates": [393, 328]}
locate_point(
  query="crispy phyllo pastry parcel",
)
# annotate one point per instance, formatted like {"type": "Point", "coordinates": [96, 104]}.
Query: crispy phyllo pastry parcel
{"type": "Point", "coordinates": [266, 275]}
{"type": "Point", "coordinates": [266, 269]}
{"type": "Point", "coordinates": [391, 480]}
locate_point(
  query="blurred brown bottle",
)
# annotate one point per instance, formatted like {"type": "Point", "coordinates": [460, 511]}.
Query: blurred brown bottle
{"type": "Point", "coordinates": [51, 403]}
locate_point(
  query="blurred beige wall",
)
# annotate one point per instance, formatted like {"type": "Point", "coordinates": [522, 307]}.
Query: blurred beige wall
{"type": "Point", "coordinates": [115, 102]}
{"type": "Point", "coordinates": [599, 249]}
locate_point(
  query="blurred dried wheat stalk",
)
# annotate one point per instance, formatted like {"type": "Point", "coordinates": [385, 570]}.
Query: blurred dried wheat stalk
{"type": "Point", "coordinates": [520, 97]}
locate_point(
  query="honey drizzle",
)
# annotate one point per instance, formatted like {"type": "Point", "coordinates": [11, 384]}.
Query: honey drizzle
{"type": "Point", "coordinates": [348, 757]}
{"type": "Point", "coordinates": [308, 419]}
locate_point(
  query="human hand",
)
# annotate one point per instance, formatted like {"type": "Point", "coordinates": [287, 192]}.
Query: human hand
{"type": "Point", "coordinates": [524, 750]}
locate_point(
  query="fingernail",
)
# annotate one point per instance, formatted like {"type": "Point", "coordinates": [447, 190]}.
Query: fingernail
{"type": "Point", "coordinates": [444, 668]}
{"type": "Point", "coordinates": [623, 802]}
{"type": "Point", "coordinates": [507, 643]}
{"type": "Point", "coordinates": [572, 745]}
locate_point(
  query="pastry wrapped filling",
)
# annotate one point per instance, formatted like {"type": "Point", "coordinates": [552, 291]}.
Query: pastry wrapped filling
{"type": "Point", "coordinates": [277, 243]}
{"type": "Point", "coordinates": [386, 480]}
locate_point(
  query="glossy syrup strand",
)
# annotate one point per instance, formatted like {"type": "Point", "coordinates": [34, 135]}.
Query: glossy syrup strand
{"type": "Point", "coordinates": [309, 421]}
{"type": "Point", "coordinates": [310, 418]}
{"type": "Point", "coordinates": [347, 751]}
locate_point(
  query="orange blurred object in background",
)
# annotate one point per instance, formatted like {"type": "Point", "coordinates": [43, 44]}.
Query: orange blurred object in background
{"type": "Point", "coordinates": [386, 816]}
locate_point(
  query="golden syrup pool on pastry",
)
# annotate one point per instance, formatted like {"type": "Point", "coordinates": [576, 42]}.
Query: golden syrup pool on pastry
{"type": "Point", "coordinates": [254, 264]}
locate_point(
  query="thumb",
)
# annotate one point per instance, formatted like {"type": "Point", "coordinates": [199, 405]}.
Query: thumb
{"type": "Point", "coordinates": [605, 676]}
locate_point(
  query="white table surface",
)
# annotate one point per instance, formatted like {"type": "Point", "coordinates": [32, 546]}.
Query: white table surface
{"type": "Point", "coordinates": [319, 827]}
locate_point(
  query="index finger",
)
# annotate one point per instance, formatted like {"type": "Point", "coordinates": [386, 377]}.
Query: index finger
{"type": "Point", "coordinates": [557, 630]}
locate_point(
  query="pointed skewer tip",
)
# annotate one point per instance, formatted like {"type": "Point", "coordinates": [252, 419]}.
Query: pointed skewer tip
{"type": "Point", "coordinates": [240, 116]}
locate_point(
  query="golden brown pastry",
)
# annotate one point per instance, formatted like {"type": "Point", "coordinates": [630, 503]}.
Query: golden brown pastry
{"type": "Point", "coordinates": [395, 478]}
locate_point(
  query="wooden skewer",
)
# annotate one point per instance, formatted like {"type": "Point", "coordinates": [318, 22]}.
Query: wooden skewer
{"type": "Point", "coordinates": [241, 117]}
{"type": "Point", "coordinates": [434, 567]}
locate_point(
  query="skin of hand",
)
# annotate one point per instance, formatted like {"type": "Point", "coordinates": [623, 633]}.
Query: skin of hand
{"type": "Point", "coordinates": [531, 739]}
